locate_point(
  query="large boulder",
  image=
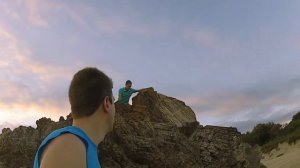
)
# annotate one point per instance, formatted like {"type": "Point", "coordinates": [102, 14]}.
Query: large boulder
{"type": "Point", "coordinates": [161, 131]}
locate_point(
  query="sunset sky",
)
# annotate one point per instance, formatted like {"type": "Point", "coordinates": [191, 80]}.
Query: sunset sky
{"type": "Point", "coordinates": [235, 63]}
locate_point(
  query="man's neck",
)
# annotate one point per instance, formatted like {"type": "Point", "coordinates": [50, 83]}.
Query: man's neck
{"type": "Point", "coordinates": [95, 130]}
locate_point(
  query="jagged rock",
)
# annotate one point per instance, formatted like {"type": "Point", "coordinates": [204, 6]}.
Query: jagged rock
{"type": "Point", "coordinates": [156, 131]}
{"type": "Point", "coordinates": [61, 119]}
{"type": "Point", "coordinates": [17, 148]}
{"type": "Point", "coordinates": [249, 155]}
{"type": "Point", "coordinates": [6, 130]}
{"type": "Point", "coordinates": [161, 108]}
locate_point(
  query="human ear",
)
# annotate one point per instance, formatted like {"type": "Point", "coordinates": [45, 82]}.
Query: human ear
{"type": "Point", "coordinates": [106, 104]}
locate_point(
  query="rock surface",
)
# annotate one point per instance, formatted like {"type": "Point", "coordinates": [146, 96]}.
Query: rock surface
{"type": "Point", "coordinates": [156, 131]}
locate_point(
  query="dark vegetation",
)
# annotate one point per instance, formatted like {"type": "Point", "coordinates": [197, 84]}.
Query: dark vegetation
{"type": "Point", "coordinates": [269, 135]}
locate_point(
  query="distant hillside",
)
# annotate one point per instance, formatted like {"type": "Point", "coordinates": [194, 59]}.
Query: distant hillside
{"type": "Point", "coordinates": [269, 135]}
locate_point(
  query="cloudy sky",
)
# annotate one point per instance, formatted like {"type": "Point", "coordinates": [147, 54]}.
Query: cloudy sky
{"type": "Point", "coordinates": [236, 63]}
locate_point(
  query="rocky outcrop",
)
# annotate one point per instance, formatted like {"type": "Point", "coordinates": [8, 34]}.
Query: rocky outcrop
{"type": "Point", "coordinates": [18, 147]}
{"type": "Point", "coordinates": [156, 131]}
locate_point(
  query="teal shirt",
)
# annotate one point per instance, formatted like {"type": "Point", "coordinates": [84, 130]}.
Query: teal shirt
{"type": "Point", "coordinates": [92, 160]}
{"type": "Point", "coordinates": [125, 95]}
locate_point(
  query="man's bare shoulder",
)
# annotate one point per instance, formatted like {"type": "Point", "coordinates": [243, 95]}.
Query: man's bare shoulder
{"type": "Point", "coordinates": [66, 150]}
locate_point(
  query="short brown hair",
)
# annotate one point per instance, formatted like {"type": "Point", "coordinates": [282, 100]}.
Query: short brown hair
{"type": "Point", "coordinates": [128, 82]}
{"type": "Point", "coordinates": [88, 88]}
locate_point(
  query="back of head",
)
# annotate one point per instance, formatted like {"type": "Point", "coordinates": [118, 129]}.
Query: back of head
{"type": "Point", "coordinates": [128, 82]}
{"type": "Point", "coordinates": [87, 91]}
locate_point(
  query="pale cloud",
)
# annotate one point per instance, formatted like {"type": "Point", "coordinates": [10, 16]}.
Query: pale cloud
{"type": "Point", "coordinates": [13, 91]}
{"type": "Point", "coordinates": [7, 9]}
{"type": "Point", "coordinates": [39, 11]}
{"type": "Point", "coordinates": [195, 100]}
{"type": "Point", "coordinates": [34, 15]}
{"type": "Point", "coordinates": [122, 24]}
{"type": "Point", "coordinates": [294, 41]}
{"type": "Point", "coordinates": [32, 89]}
{"type": "Point", "coordinates": [27, 114]}
{"type": "Point", "coordinates": [206, 38]}
{"type": "Point", "coordinates": [221, 104]}
{"type": "Point", "coordinates": [247, 107]}
{"type": "Point", "coordinates": [111, 24]}
{"type": "Point", "coordinates": [24, 101]}
{"type": "Point", "coordinates": [17, 58]}
{"type": "Point", "coordinates": [209, 38]}
{"type": "Point", "coordinates": [36, 12]}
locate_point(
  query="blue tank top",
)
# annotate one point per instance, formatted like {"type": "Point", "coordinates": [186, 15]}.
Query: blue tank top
{"type": "Point", "coordinates": [91, 148]}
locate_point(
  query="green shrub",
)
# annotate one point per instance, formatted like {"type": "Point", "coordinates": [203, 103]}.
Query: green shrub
{"type": "Point", "coordinates": [292, 126]}
{"type": "Point", "coordinates": [290, 138]}
{"type": "Point", "coordinates": [296, 116]}
{"type": "Point", "coordinates": [269, 135]}
{"type": "Point", "coordinates": [262, 133]}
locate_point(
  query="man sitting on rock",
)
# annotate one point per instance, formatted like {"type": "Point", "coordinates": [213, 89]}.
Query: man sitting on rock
{"type": "Point", "coordinates": [93, 112]}
{"type": "Point", "coordinates": [126, 92]}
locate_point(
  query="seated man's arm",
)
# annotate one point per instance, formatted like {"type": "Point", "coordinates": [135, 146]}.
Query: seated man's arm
{"type": "Point", "coordinates": [134, 90]}
{"type": "Point", "coordinates": [63, 152]}
{"type": "Point", "coordinates": [120, 95]}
